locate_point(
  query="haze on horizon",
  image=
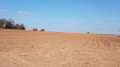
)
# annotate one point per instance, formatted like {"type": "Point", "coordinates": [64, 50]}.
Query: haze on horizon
{"type": "Point", "coordinates": [76, 16]}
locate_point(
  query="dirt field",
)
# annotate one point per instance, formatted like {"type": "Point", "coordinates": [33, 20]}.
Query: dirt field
{"type": "Point", "coordinates": [53, 49]}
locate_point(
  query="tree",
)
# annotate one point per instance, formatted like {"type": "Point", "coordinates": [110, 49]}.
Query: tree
{"type": "Point", "coordinates": [22, 27]}
{"type": "Point", "coordinates": [9, 25]}
{"type": "Point", "coordinates": [16, 26]}
{"type": "Point", "coordinates": [12, 21]}
{"type": "Point", "coordinates": [2, 23]}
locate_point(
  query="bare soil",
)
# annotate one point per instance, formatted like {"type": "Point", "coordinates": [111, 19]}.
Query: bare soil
{"type": "Point", "coordinates": [54, 49]}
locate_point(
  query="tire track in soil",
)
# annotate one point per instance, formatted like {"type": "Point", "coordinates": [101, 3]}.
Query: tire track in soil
{"type": "Point", "coordinates": [114, 41]}
{"type": "Point", "coordinates": [85, 43]}
{"type": "Point", "coordinates": [92, 42]}
{"type": "Point", "coordinates": [98, 41]}
{"type": "Point", "coordinates": [105, 44]}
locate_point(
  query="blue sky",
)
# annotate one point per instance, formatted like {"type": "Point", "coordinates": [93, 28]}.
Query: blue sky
{"type": "Point", "coordinates": [77, 16]}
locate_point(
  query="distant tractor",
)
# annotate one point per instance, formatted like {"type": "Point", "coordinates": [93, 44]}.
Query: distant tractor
{"type": "Point", "coordinates": [88, 32]}
{"type": "Point", "coordinates": [42, 29]}
{"type": "Point", "coordinates": [35, 29]}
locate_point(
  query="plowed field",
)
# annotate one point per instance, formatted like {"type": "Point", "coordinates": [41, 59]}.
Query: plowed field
{"type": "Point", "coordinates": [54, 49]}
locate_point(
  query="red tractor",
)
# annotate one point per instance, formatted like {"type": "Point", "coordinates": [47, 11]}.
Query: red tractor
{"type": "Point", "coordinates": [42, 29]}
{"type": "Point", "coordinates": [35, 29]}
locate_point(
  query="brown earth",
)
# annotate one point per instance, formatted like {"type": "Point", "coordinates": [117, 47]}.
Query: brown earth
{"type": "Point", "coordinates": [54, 49]}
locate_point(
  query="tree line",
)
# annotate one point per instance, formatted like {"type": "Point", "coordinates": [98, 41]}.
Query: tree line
{"type": "Point", "coordinates": [10, 24]}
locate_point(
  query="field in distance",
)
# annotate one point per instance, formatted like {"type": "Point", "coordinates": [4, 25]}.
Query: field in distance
{"type": "Point", "coordinates": [55, 49]}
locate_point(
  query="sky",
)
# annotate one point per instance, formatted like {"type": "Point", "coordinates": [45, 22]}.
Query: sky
{"type": "Point", "coordinates": [74, 16]}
